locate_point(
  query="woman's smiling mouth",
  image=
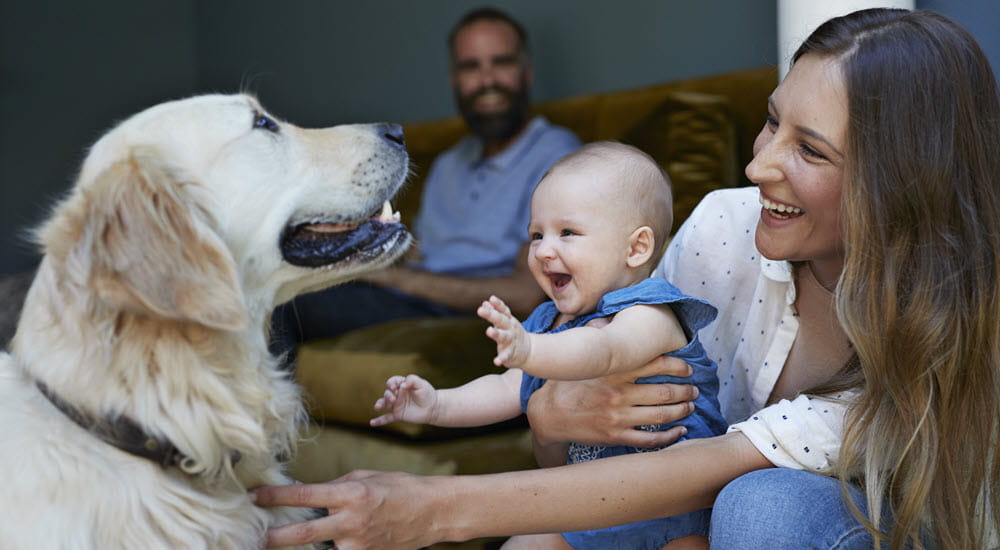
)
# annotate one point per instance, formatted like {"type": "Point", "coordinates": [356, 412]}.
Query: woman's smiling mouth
{"type": "Point", "coordinates": [780, 210]}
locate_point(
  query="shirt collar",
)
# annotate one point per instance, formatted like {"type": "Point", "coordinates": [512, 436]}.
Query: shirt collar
{"type": "Point", "coordinates": [780, 271]}
{"type": "Point", "coordinates": [516, 150]}
{"type": "Point", "coordinates": [776, 270]}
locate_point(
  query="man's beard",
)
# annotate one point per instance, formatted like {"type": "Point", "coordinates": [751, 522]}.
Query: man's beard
{"type": "Point", "coordinates": [496, 126]}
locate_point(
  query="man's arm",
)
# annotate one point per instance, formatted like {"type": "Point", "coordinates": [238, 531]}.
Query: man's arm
{"type": "Point", "coordinates": [519, 289]}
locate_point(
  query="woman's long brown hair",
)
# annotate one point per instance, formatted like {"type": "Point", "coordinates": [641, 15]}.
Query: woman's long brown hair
{"type": "Point", "coordinates": [919, 296]}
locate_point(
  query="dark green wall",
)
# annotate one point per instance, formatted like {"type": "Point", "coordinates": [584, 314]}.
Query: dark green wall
{"type": "Point", "coordinates": [69, 69]}
{"type": "Point", "coordinates": [323, 61]}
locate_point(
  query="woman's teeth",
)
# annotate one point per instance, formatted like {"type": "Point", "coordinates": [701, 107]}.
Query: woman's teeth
{"type": "Point", "coordinates": [782, 211]}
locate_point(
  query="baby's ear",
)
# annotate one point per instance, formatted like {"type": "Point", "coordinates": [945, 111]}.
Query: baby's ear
{"type": "Point", "coordinates": [641, 246]}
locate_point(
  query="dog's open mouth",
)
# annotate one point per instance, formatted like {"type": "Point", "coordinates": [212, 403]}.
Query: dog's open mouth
{"type": "Point", "coordinates": [320, 244]}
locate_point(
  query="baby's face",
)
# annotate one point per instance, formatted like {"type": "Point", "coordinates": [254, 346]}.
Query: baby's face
{"type": "Point", "coordinates": [579, 233]}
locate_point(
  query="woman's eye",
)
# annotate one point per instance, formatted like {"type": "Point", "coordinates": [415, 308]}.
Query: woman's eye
{"type": "Point", "coordinates": [265, 122]}
{"type": "Point", "coordinates": [810, 152]}
{"type": "Point", "coordinates": [770, 121]}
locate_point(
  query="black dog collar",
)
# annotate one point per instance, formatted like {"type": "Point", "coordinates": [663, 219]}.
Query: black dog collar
{"type": "Point", "coordinates": [121, 432]}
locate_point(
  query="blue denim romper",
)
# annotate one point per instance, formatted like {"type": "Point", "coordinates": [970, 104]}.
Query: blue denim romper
{"type": "Point", "coordinates": [705, 421]}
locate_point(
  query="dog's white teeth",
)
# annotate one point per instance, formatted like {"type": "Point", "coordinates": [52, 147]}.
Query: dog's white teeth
{"type": "Point", "coordinates": [396, 217]}
{"type": "Point", "coordinates": [387, 215]}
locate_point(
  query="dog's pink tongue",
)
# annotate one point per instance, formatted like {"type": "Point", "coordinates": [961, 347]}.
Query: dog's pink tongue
{"type": "Point", "coordinates": [329, 227]}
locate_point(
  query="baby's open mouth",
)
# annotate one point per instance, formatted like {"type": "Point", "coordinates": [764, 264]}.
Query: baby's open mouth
{"type": "Point", "coordinates": [559, 280]}
{"type": "Point", "coordinates": [780, 210]}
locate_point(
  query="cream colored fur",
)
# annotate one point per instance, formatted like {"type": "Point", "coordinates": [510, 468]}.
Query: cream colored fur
{"type": "Point", "coordinates": [160, 272]}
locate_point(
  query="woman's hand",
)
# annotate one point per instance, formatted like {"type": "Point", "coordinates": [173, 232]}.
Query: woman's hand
{"type": "Point", "coordinates": [605, 411]}
{"type": "Point", "coordinates": [367, 511]}
{"type": "Point", "coordinates": [395, 511]}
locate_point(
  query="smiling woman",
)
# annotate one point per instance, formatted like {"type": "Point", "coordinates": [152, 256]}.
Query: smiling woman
{"type": "Point", "coordinates": [799, 167]}
{"type": "Point", "coordinates": [857, 343]}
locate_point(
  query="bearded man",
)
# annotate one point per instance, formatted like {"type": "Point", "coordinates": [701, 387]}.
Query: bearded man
{"type": "Point", "coordinates": [471, 227]}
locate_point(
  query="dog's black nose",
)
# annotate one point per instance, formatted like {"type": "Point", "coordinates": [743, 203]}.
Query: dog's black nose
{"type": "Point", "coordinates": [392, 133]}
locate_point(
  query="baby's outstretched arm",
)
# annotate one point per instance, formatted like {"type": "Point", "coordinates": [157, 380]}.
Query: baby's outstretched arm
{"type": "Point", "coordinates": [486, 400]}
{"type": "Point", "coordinates": [632, 338]}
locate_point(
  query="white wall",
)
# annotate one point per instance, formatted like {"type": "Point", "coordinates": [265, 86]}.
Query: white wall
{"type": "Point", "coordinates": [798, 18]}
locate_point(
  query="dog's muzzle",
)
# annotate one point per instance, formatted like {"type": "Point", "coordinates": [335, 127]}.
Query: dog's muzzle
{"type": "Point", "coordinates": [304, 246]}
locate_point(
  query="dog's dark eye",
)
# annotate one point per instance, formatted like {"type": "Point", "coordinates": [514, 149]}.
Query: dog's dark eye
{"type": "Point", "coordinates": [264, 122]}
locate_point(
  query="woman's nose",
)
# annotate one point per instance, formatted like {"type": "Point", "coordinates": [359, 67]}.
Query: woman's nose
{"type": "Point", "coordinates": [766, 163]}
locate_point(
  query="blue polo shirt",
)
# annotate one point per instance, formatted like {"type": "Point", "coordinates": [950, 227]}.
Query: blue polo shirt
{"type": "Point", "coordinates": [474, 211]}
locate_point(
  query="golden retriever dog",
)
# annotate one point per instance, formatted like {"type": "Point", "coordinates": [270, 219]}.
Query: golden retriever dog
{"type": "Point", "coordinates": [138, 400]}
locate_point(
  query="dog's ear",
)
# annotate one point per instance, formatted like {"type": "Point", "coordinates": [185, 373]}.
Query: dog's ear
{"type": "Point", "coordinates": [151, 249]}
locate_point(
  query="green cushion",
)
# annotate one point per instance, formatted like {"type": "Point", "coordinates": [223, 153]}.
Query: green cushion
{"type": "Point", "coordinates": [344, 376]}
{"type": "Point", "coordinates": [693, 137]}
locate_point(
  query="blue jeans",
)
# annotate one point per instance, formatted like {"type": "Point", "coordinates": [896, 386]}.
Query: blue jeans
{"type": "Point", "coordinates": [781, 508]}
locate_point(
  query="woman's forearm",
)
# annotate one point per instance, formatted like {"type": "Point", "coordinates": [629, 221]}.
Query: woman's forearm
{"type": "Point", "coordinates": [613, 491]}
{"type": "Point", "coordinates": [396, 511]}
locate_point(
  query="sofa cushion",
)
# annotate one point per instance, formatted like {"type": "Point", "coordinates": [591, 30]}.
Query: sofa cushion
{"type": "Point", "coordinates": [693, 137]}
{"type": "Point", "coordinates": [344, 376]}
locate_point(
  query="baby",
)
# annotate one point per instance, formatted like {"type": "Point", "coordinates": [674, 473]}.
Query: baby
{"type": "Point", "coordinates": [599, 221]}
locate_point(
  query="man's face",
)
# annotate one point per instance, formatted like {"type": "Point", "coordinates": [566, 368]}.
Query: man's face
{"type": "Point", "coordinates": [490, 77]}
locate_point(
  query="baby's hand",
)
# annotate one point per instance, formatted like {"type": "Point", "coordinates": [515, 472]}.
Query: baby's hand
{"type": "Point", "coordinates": [409, 399]}
{"type": "Point", "coordinates": [513, 342]}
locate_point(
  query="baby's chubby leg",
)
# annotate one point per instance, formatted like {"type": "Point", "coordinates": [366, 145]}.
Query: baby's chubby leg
{"type": "Point", "coordinates": [547, 541]}
{"type": "Point", "coordinates": [690, 542]}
